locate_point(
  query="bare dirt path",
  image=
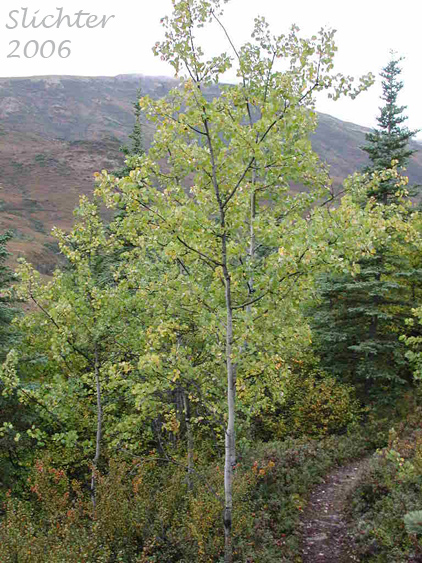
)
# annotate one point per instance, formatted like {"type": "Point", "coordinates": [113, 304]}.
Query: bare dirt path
{"type": "Point", "coordinates": [324, 522]}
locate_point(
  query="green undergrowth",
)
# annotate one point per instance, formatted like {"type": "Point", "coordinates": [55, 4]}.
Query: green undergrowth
{"type": "Point", "coordinates": [145, 512]}
{"type": "Point", "coordinates": [296, 467]}
{"type": "Point", "coordinates": [389, 490]}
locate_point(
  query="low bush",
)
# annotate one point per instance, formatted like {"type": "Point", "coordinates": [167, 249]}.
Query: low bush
{"type": "Point", "coordinates": [387, 496]}
{"type": "Point", "coordinates": [313, 404]}
{"type": "Point", "coordinates": [145, 512]}
{"type": "Point", "coordinates": [323, 406]}
{"type": "Point", "coordinates": [287, 472]}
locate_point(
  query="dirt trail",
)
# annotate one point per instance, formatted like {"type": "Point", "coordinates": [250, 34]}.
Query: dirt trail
{"type": "Point", "coordinates": [324, 523]}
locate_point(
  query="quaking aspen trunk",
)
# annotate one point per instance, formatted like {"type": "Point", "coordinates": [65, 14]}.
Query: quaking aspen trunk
{"type": "Point", "coordinates": [189, 437]}
{"type": "Point", "coordinates": [230, 439]}
{"type": "Point", "coordinates": [99, 426]}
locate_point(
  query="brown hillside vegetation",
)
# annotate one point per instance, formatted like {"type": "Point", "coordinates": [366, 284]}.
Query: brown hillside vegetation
{"type": "Point", "coordinates": [41, 180]}
{"type": "Point", "coordinates": [55, 132]}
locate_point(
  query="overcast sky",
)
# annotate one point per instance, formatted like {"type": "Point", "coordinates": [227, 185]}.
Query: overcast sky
{"type": "Point", "coordinates": [366, 31]}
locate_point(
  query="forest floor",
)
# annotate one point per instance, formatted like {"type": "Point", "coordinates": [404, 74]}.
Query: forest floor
{"type": "Point", "coordinates": [324, 523]}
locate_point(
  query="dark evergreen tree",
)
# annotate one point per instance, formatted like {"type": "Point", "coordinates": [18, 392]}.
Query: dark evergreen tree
{"type": "Point", "coordinates": [105, 264]}
{"type": "Point", "coordinates": [358, 320]}
{"type": "Point", "coordinates": [357, 324]}
{"type": "Point", "coordinates": [7, 305]}
{"type": "Point", "coordinates": [137, 146]}
{"type": "Point", "coordinates": [390, 142]}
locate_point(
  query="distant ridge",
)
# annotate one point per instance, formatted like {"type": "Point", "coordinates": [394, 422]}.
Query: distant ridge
{"type": "Point", "coordinates": [56, 131]}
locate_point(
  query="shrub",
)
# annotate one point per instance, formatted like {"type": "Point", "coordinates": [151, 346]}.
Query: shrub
{"type": "Point", "coordinates": [413, 522]}
{"type": "Point", "coordinates": [145, 513]}
{"type": "Point", "coordinates": [323, 406]}
{"type": "Point", "coordinates": [313, 405]}
{"type": "Point", "coordinates": [388, 500]}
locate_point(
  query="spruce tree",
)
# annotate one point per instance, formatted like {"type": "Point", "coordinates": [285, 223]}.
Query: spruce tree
{"type": "Point", "coordinates": [8, 333]}
{"type": "Point", "coordinates": [137, 147]}
{"type": "Point", "coordinates": [105, 264]}
{"type": "Point", "coordinates": [390, 141]}
{"type": "Point", "coordinates": [358, 320]}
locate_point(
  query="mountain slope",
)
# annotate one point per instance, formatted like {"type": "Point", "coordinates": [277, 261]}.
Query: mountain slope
{"type": "Point", "coordinates": [41, 180]}
{"type": "Point", "coordinates": [55, 132]}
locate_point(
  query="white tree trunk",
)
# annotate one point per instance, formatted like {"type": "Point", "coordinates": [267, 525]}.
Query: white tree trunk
{"type": "Point", "coordinates": [189, 437]}
{"type": "Point", "coordinates": [230, 439]}
{"type": "Point", "coordinates": [99, 425]}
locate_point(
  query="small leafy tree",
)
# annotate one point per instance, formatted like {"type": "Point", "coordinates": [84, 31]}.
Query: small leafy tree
{"type": "Point", "coordinates": [76, 344]}
{"type": "Point", "coordinates": [213, 193]}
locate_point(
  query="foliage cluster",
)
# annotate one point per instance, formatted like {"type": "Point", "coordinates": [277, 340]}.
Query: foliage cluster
{"type": "Point", "coordinates": [413, 341]}
{"type": "Point", "coordinates": [312, 404]}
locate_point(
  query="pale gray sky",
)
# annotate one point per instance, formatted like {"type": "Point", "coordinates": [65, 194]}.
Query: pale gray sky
{"type": "Point", "coordinates": [366, 31]}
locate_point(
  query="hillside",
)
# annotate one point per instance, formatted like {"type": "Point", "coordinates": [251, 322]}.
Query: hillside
{"type": "Point", "coordinates": [41, 180]}
{"type": "Point", "coordinates": [55, 132]}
